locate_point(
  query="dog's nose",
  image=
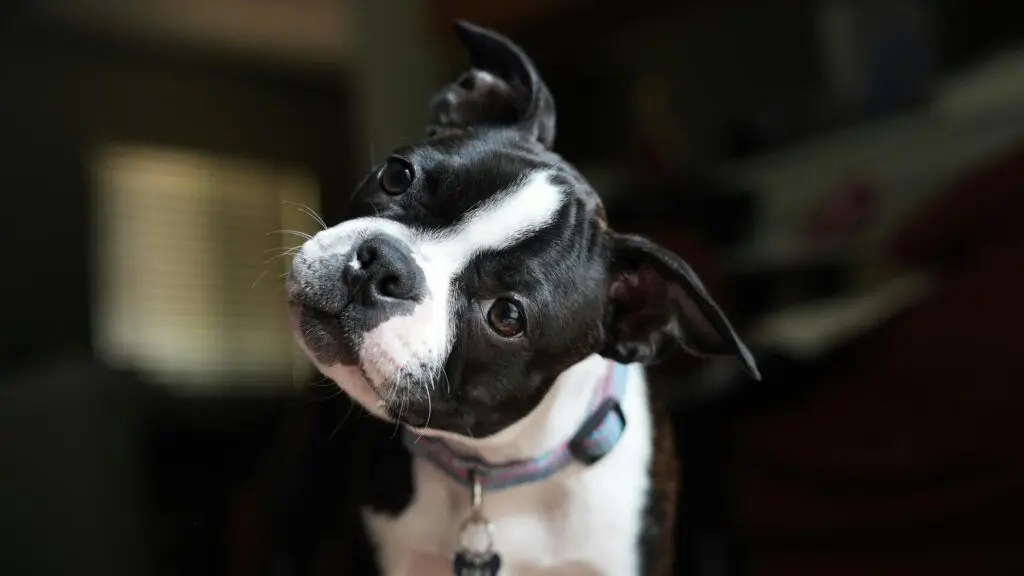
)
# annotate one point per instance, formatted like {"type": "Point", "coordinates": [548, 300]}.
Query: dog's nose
{"type": "Point", "coordinates": [386, 270]}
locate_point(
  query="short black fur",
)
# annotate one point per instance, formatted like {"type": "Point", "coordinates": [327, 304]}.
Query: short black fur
{"type": "Point", "coordinates": [584, 289]}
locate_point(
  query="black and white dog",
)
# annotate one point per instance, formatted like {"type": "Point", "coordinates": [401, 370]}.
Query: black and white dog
{"type": "Point", "coordinates": [477, 296]}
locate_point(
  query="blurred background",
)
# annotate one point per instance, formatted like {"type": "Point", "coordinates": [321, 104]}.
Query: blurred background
{"type": "Point", "coordinates": [846, 175]}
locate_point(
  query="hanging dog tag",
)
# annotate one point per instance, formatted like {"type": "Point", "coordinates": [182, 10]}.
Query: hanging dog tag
{"type": "Point", "coordinates": [469, 564]}
{"type": "Point", "coordinates": [475, 555]}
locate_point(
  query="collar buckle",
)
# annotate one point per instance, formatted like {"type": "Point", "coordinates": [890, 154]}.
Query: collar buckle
{"type": "Point", "coordinates": [599, 432]}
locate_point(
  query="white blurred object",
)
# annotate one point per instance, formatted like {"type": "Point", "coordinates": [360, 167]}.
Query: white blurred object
{"type": "Point", "coordinates": [907, 159]}
{"type": "Point", "coordinates": [993, 88]}
{"type": "Point", "coordinates": [809, 330]}
{"type": "Point", "coordinates": [319, 32]}
{"type": "Point", "coordinates": [188, 282]}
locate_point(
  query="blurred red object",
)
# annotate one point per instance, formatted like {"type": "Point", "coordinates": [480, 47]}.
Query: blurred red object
{"type": "Point", "coordinates": [842, 215]}
{"type": "Point", "coordinates": [905, 458]}
{"type": "Point", "coordinates": [980, 212]}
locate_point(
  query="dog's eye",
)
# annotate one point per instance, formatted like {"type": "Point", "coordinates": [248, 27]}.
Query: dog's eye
{"type": "Point", "coordinates": [506, 318]}
{"type": "Point", "coordinates": [396, 176]}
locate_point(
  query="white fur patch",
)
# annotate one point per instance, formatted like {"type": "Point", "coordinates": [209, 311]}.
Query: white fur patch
{"type": "Point", "coordinates": [584, 520]}
{"type": "Point", "coordinates": [422, 340]}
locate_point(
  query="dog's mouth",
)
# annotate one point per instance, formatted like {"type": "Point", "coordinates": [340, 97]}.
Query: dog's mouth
{"type": "Point", "coordinates": [322, 334]}
{"type": "Point", "coordinates": [301, 309]}
{"type": "Point", "coordinates": [380, 382]}
{"type": "Point", "coordinates": [406, 417]}
{"type": "Point", "coordinates": [324, 337]}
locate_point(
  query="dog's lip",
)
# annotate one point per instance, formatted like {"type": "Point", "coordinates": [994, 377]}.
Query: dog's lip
{"type": "Point", "coordinates": [299, 308]}
{"type": "Point", "coordinates": [293, 291]}
{"type": "Point", "coordinates": [299, 304]}
{"type": "Point", "coordinates": [367, 384]}
{"type": "Point", "coordinates": [412, 421]}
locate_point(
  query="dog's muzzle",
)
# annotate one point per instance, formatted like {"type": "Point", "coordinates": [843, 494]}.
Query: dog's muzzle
{"type": "Point", "coordinates": [349, 293]}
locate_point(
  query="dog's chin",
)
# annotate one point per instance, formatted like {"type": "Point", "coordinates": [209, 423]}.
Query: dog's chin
{"type": "Point", "coordinates": [321, 336]}
{"type": "Point", "coordinates": [380, 382]}
{"type": "Point", "coordinates": [393, 403]}
{"type": "Point", "coordinates": [352, 381]}
{"type": "Point", "coordinates": [388, 400]}
{"type": "Point", "coordinates": [368, 381]}
{"type": "Point", "coordinates": [383, 401]}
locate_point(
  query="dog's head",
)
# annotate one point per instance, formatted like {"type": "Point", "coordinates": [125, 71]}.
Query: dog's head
{"type": "Point", "coordinates": [477, 265]}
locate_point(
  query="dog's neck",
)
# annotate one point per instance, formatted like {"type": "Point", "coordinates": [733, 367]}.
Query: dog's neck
{"type": "Point", "coordinates": [550, 424]}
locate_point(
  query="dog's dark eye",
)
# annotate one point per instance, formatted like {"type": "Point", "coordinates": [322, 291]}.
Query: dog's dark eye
{"type": "Point", "coordinates": [506, 318]}
{"type": "Point", "coordinates": [396, 176]}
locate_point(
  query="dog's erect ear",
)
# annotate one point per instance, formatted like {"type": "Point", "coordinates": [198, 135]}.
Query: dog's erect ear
{"type": "Point", "coordinates": [656, 301]}
{"type": "Point", "coordinates": [502, 88]}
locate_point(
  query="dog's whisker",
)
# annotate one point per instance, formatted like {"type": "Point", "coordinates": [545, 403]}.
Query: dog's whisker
{"type": "Point", "coordinates": [283, 248]}
{"type": "Point", "coordinates": [258, 278]}
{"type": "Point", "coordinates": [430, 407]}
{"type": "Point", "coordinates": [401, 409]}
{"type": "Point", "coordinates": [344, 419]}
{"type": "Point", "coordinates": [447, 382]}
{"type": "Point", "coordinates": [316, 217]}
{"type": "Point", "coordinates": [304, 209]}
{"type": "Point", "coordinates": [323, 382]}
{"type": "Point", "coordinates": [330, 437]}
{"type": "Point", "coordinates": [289, 252]}
{"type": "Point", "coordinates": [266, 265]}
{"type": "Point", "coordinates": [331, 396]}
{"type": "Point", "coordinates": [282, 252]}
{"type": "Point", "coordinates": [299, 233]}
{"type": "Point", "coordinates": [320, 223]}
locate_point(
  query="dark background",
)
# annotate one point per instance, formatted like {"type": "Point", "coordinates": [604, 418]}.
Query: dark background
{"type": "Point", "coordinates": [847, 177]}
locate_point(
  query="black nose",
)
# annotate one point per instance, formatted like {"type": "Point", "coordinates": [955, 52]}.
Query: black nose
{"type": "Point", "coordinates": [386, 271]}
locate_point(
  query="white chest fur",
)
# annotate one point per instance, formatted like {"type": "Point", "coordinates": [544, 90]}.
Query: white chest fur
{"type": "Point", "coordinates": [586, 520]}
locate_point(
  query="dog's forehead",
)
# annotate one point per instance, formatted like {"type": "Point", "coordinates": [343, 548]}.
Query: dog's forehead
{"type": "Point", "coordinates": [473, 194]}
{"type": "Point", "coordinates": [463, 171]}
{"type": "Point", "coordinates": [476, 164]}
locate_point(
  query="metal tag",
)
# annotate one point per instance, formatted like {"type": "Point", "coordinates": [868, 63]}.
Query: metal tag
{"type": "Point", "coordinates": [475, 555]}
{"type": "Point", "coordinates": [469, 564]}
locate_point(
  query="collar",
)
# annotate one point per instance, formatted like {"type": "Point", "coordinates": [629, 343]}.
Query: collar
{"type": "Point", "coordinates": [593, 440]}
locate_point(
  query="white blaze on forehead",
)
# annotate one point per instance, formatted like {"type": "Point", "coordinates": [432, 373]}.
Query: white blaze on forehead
{"type": "Point", "coordinates": [506, 218]}
{"type": "Point", "coordinates": [421, 340]}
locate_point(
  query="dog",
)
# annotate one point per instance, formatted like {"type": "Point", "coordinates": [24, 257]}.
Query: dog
{"type": "Point", "coordinates": [477, 299]}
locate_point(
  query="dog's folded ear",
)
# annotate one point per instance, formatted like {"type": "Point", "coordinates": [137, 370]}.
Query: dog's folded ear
{"type": "Point", "coordinates": [656, 301]}
{"type": "Point", "coordinates": [502, 88]}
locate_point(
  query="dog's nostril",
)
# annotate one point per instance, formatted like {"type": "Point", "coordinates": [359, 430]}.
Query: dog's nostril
{"type": "Point", "coordinates": [467, 82]}
{"type": "Point", "coordinates": [392, 287]}
{"type": "Point", "coordinates": [366, 254]}
{"type": "Point", "coordinates": [384, 271]}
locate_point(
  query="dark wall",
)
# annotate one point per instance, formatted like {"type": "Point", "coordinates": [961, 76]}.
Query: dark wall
{"type": "Point", "coordinates": [64, 92]}
{"type": "Point", "coordinates": [43, 303]}
{"type": "Point", "coordinates": [100, 473]}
